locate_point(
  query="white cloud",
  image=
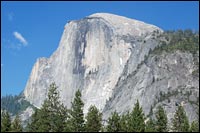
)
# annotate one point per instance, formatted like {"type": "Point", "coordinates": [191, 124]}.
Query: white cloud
{"type": "Point", "coordinates": [20, 38]}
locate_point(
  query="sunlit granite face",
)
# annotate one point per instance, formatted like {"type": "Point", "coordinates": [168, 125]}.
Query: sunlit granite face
{"type": "Point", "coordinates": [97, 55]}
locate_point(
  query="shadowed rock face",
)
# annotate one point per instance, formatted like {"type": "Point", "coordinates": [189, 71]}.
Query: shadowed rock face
{"type": "Point", "coordinates": [164, 79]}
{"type": "Point", "coordinates": [103, 56]}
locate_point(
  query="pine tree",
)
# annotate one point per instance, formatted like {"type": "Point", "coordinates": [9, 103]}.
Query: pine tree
{"type": "Point", "coordinates": [103, 128]}
{"type": "Point", "coordinates": [113, 123]}
{"type": "Point", "coordinates": [161, 120]}
{"type": "Point", "coordinates": [53, 112]}
{"type": "Point", "coordinates": [94, 118]}
{"type": "Point", "coordinates": [150, 126]}
{"type": "Point", "coordinates": [16, 125]}
{"type": "Point", "coordinates": [69, 127]}
{"type": "Point", "coordinates": [136, 121]}
{"type": "Point", "coordinates": [180, 120]}
{"type": "Point", "coordinates": [124, 122]}
{"type": "Point", "coordinates": [194, 126]}
{"type": "Point", "coordinates": [5, 122]}
{"type": "Point", "coordinates": [76, 121]}
{"type": "Point", "coordinates": [44, 118]}
{"type": "Point", "coordinates": [58, 112]}
{"type": "Point", "coordinates": [33, 125]}
{"type": "Point", "coordinates": [52, 115]}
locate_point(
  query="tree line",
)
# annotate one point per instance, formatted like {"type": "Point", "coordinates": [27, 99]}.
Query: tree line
{"type": "Point", "coordinates": [53, 116]}
{"type": "Point", "coordinates": [183, 40]}
{"type": "Point", "coordinates": [14, 104]}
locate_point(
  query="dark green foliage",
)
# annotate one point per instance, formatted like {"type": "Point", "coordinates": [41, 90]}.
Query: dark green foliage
{"type": "Point", "coordinates": [194, 126]}
{"type": "Point", "coordinates": [14, 104]}
{"type": "Point", "coordinates": [150, 126]}
{"type": "Point", "coordinates": [5, 121]}
{"type": "Point", "coordinates": [44, 121]}
{"type": "Point", "coordinates": [16, 125]}
{"type": "Point", "coordinates": [114, 123]}
{"type": "Point", "coordinates": [180, 121]}
{"type": "Point", "coordinates": [53, 112]}
{"type": "Point", "coordinates": [52, 115]}
{"type": "Point", "coordinates": [136, 120]}
{"type": "Point", "coordinates": [179, 40]}
{"type": "Point", "coordinates": [33, 125]}
{"type": "Point", "coordinates": [161, 120]}
{"type": "Point", "coordinates": [103, 128]}
{"type": "Point", "coordinates": [94, 118]}
{"type": "Point", "coordinates": [69, 127]}
{"type": "Point", "coordinates": [77, 117]}
{"type": "Point", "coordinates": [124, 122]}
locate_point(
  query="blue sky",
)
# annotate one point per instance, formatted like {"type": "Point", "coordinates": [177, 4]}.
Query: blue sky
{"type": "Point", "coordinates": [33, 29]}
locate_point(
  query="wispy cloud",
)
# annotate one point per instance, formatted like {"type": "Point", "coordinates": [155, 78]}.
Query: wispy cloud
{"type": "Point", "coordinates": [11, 44]}
{"type": "Point", "coordinates": [10, 16]}
{"type": "Point", "coordinates": [20, 38]}
{"type": "Point", "coordinates": [15, 46]}
{"type": "Point", "coordinates": [2, 65]}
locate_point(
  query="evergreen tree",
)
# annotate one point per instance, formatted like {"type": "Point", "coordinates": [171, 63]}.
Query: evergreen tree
{"type": "Point", "coordinates": [52, 115]}
{"type": "Point", "coordinates": [69, 127]}
{"type": "Point", "coordinates": [33, 125]}
{"type": "Point", "coordinates": [14, 104]}
{"type": "Point", "coordinates": [76, 121]}
{"type": "Point", "coordinates": [180, 120]}
{"type": "Point", "coordinates": [44, 118]}
{"type": "Point", "coordinates": [194, 126]}
{"type": "Point", "coordinates": [124, 122]}
{"type": "Point", "coordinates": [53, 112]}
{"type": "Point", "coordinates": [161, 120]}
{"type": "Point", "coordinates": [113, 123]}
{"type": "Point", "coordinates": [103, 128]}
{"type": "Point", "coordinates": [5, 122]}
{"type": "Point", "coordinates": [94, 118]}
{"type": "Point", "coordinates": [150, 126]}
{"type": "Point", "coordinates": [136, 121]}
{"type": "Point", "coordinates": [16, 125]}
{"type": "Point", "coordinates": [58, 112]}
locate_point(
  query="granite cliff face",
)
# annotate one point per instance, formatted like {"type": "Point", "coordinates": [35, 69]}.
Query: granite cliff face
{"type": "Point", "coordinates": [165, 79]}
{"type": "Point", "coordinates": [103, 55]}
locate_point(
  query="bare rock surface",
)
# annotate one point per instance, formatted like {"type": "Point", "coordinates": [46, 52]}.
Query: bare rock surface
{"type": "Point", "coordinates": [103, 55]}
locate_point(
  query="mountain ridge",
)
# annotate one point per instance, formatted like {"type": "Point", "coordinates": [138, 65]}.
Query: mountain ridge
{"type": "Point", "coordinates": [104, 56]}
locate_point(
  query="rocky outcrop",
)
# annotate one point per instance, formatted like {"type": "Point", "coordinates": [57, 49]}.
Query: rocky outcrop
{"type": "Point", "coordinates": [103, 55]}
{"type": "Point", "coordinates": [25, 115]}
{"type": "Point", "coordinates": [91, 57]}
{"type": "Point", "coordinates": [165, 79]}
